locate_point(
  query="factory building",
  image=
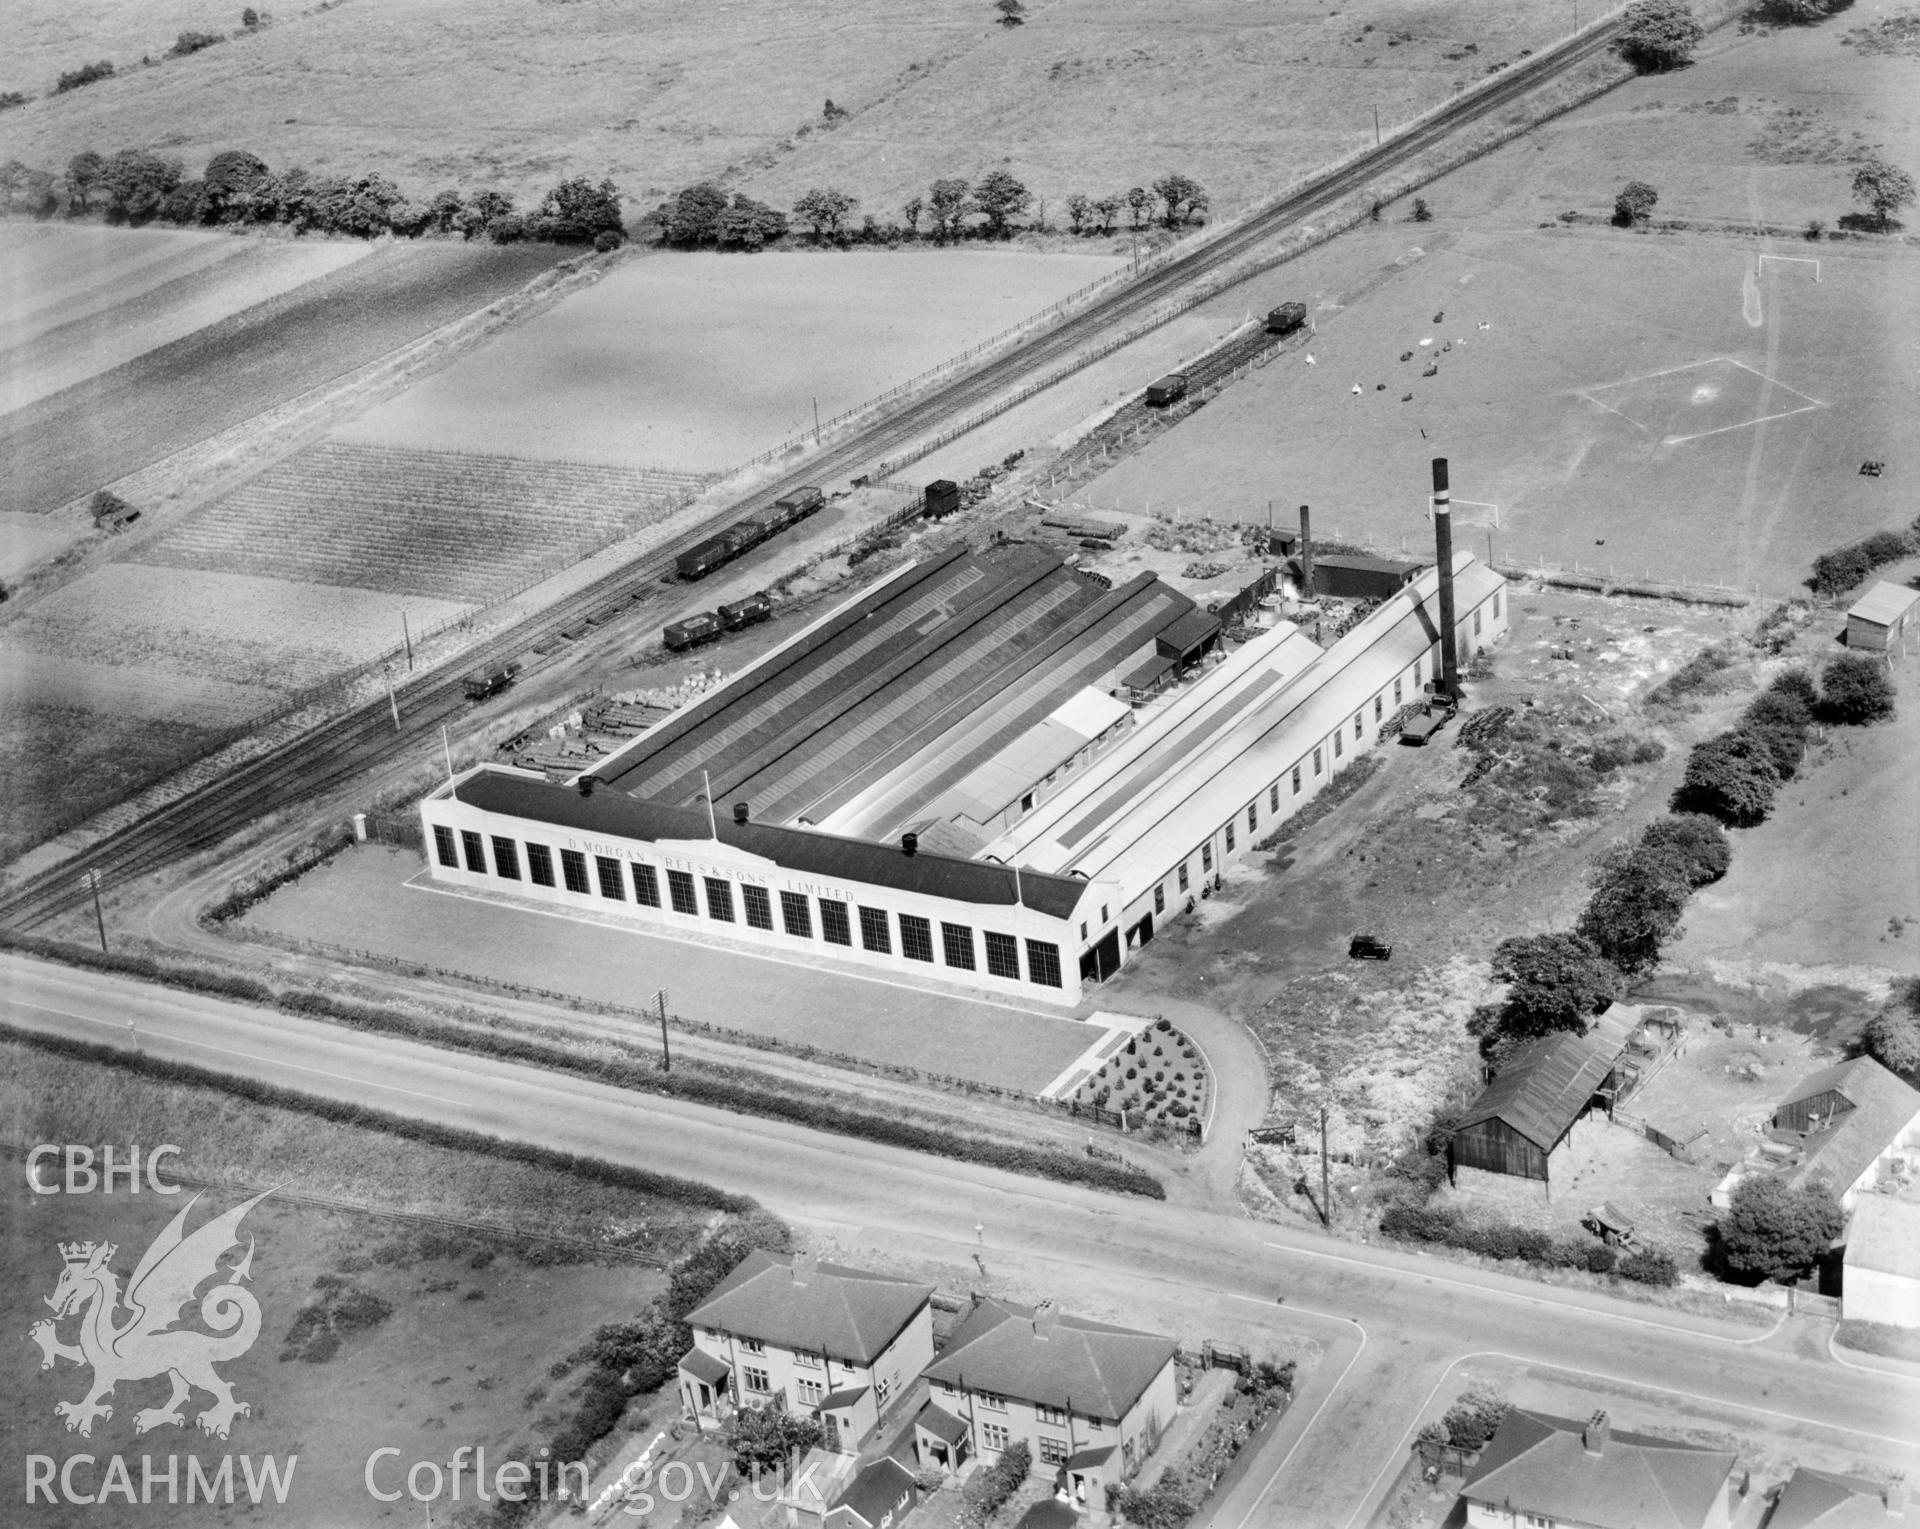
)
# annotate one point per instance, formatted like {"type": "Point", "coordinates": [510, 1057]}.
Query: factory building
{"type": "Point", "coordinates": [950, 777]}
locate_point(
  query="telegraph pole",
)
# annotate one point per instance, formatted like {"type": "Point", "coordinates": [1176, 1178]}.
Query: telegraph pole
{"type": "Point", "coordinates": [1326, 1193]}
{"type": "Point", "coordinates": [666, 1054]}
{"type": "Point", "coordinates": [387, 671]}
{"type": "Point", "coordinates": [92, 881]}
{"type": "Point", "coordinates": [1376, 127]}
{"type": "Point", "coordinates": [407, 637]}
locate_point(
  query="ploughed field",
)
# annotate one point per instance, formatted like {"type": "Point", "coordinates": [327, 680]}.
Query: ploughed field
{"type": "Point", "coordinates": [62, 447]}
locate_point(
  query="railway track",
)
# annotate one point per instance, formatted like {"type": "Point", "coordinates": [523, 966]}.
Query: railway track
{"type": "Point", "coordinates": [337, 751]}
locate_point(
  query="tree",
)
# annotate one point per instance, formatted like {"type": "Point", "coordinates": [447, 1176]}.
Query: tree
{"type": "Point", "coordinates": [1141, 201]}
{"type": "Point", "coordinates": [1079, 209]}
{"type": "Point", "coordinates": [826, 208]}
{"type": "Point", "coordinates": [84, 171]}
{"type": "Point", "coordinates": [1638, 896]}
{"type": "Point", "coordinates": [230, 183]}
{"type": "Point", "coordinates": [577, 211]}
{"type": "Point", "coordinates": [1634, 204]}
{"type": "Point", "coordinates": [1730, 776]}
{"type": "Point", "coordinates": [911, 212]}
{"type": "Point", "coordinates": [1780, 721]}
{"type": "Point", "coordinates": [484, 210]}
{"type": "Point", "coordinates": [1856, 689]}
{"type": "Point", "coordinates": [249, 18]}
{"type": "Point", "coordinates": [1892, 1038]}
{"type": "Point", "coordinates": [360, 207]}
{"type": "Point", "coordinates": [693, 217]}
{"type": "Point", "coordinates": [749, 225]}
{"type": "Point", "coordinates": [137, 183]}
{"type": "Point", "coordinates": [193, 42]}
{"type": "Point", "coordinates": [446, 213]}
{"type": "Point", "coordinates": [1773, 1231]}
{"type": "Point", "coordinates": [999, 197]}
{"type": "Point", "coordinates": [1012, 13]}
{"type": "Point", "coordinates": [185, 204]}
{"type": "Point", "coordinates": [1659, 35]}
{"type": "Point", "coordinates": [948, 201]}
{"type": "Point", "coordinates": [1555, 982]}
{"type": "Point", "coordinates": [763, 1439]}
{"type": "Point", "coordinates": [1108, 207]}
{"type": "Point", "coordinates": [1788, 13]}
{"type": "Point", "coordinates": [1885, 188]}
{"type": "Point", "coordinates": [1798, 683]}
{"type": "Point", "coordinates": [86, 74]}
{"type": "Point", "coordinates": [109, 509]}
{"type": "Point", "coordinates": [1177, 195]}
{"type": "Point", "coordinates": [1696, 841]}
{"type": "Point", "coordinates": [1422, 213]}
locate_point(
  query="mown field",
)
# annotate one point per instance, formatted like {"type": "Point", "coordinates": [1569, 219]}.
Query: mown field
{"type": "Point", "coordinates": [1087, 95]}
{"type": "Point", "coordinates": [62, 447]}
{"type": "Point", "coordinates": [473, 1320]}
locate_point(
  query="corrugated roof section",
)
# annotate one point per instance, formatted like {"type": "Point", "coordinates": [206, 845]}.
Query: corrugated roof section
{"type": "Point", "coordinates": [1885, 603]}
{"type": "Point", "coordinates": [1546, 1085]}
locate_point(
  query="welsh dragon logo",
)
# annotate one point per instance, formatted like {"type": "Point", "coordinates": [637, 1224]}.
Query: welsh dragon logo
{"type": "Point", "coordinates": [148, 1343]}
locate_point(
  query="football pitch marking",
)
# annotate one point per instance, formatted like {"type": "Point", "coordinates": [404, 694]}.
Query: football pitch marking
{"type": "Point", "coordinates": [1592, 395]}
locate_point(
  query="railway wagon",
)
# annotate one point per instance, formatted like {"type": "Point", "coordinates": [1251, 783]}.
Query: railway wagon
{"type": "Point", "coordinates": [745, 613]}
{"type": "Point", "coordinates": [1286, 318]}
{"type": "Point", "coordinates": [483, 683]}
{"type": "Point", "coordinates": [697, 562]}
{"type": "Point", "coordinates": [798, 505]}
{"type": "Point", "coordinates": [1168, 389]}
{"type": "Point", "coordinates": [943, 498]}
{"type": "Point", "coordinates": [693, 631]}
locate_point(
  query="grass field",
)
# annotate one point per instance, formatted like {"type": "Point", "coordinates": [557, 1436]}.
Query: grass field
{"type": "Point", "coordinates": [430, 526]}
{"type": "Point", "coordinates": [360, 900]}
{"type": "Point", "coordinates": [62, 447]}
{"type": "Point", "coordinates": [79, 300]}
{"type": "Point", "coordinates": [699, 362]}
{"type": "Point", "coordinates": [1088, 95]}
{"type": "Point", "coordinates": [477, 1318]}
{"type": "Point", "coordinates": [1669, 403]}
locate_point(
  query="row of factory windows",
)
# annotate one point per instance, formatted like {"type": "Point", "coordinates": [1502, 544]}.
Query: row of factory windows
{"type": "Point", "coordinates": [1334, 745]}
{"type": "Point", "coordinates": [836, 920]}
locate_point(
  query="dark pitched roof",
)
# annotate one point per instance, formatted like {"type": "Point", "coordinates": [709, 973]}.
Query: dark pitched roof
{"type": "Point", "coordinates": [609, 813]}
{"type": "Point", "coordinates": [847, 1314]}
{"type": "Point", "coordinates": [1056, 1360]}
{"type": "Point", "coordinates": [846, 1396]}
{"type": "Point", "coordinates": [1882, 1106]}
{"type": "Point", "coordinates": [1546, 1084]}
{"type": "Point", "coordinates": [876, 1490]}
{"type": "Point", "coordinates": [1539, 1464]}
{"type": "Point", "coordinates": [701, 1365]}
{"type": "Point", "coordinates": [1188, 633]}
{"type": "Point", "coordinates": [941, 1423]}
{"type": "Point", "coordinates": [1822, 1500]}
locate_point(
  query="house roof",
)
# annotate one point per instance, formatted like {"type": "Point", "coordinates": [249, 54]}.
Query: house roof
{"type": "Point", "coordinates": [941, 1423]}
{"type": "Point", "coordinates": [846, 1314]}
{"type": "Point", "coordinates": [1884, 1235]}
{"type": "Point", "coordinates": [1823, 1500]}
{"type": "Point", "coordinates": [1845, 1148]}
{"type": "Point", "coordinates": [1547, 1083]}
{"type": "Point", "coordinates": [1884, 603]}
{"type": "Point", "coordinates": [704, 1366]}
{"type": "Point", "coordinates": [611, 814]}
{"type": "Point", "coordinates": [1539, 1464]}
{"type": "Point", "coordinates": [1054, 1359]}
{"type": "Point", "coordinates": [875, 1490]}
{"type": "Point", "coordinates": [846, 1396]}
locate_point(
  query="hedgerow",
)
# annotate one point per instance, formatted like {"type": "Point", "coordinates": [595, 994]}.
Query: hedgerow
{"type": "Point", "coordinates": [1836, 572]}
{"type": "Point", "coordinates": [1497, 1239]}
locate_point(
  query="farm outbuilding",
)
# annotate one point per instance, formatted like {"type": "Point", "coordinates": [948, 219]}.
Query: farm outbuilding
{"type": "Point", "coordinates": [1347, 576]}
{"type": "Point", "coordinates": [1855, 1124]}
{"type": "Point", "coordinates": [1522, 1121]}
{"type": "Point", "coordinates": [1880, 619]}
{"type": "Point", "coordinates": [1880, 1278]}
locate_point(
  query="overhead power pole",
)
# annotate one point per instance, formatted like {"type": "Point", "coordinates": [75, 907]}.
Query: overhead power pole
{"type": "Point", "coordinates": [1326, 1178]}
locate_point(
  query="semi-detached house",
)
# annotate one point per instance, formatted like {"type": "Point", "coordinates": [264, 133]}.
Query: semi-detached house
{"type": "Point", "coordinates": [816, 1339]}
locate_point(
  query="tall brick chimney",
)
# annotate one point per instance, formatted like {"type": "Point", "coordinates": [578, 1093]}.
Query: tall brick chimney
{"type": "Point", "coordinates": [1598, 1431]}
{"type": "Point", "coordinates": [1449, 675]}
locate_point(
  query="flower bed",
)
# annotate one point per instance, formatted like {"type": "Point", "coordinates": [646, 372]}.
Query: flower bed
{"type": "Point", "coordinates": [1158, 1077]}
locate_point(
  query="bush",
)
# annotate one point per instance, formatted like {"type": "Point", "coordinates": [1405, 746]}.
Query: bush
{"type": "Point", "coordinates": [1773, 1231]}
{"type": "Point", "coordinates": [1837, 572]}
{"type": "Point", "coordinates": [1638, 896]}
{"type": "Point", "coordinates": [1659, 35]}
{"type": "Point", "coordinates": [1167, 1505]}
{"type": "Point", "coordinates": [1696, 842]}
{"type": "Point", "coordinates": [1475, 1418]}
{"type": "Point", "coordinates": [1730, 776]}
{"type": "Point", "coordinates": [1799, 684]}
{"type": "Point", "coordinates": [991, 1489]}
{"type": "Point", "coordinates": [1856, 689]}
{"type": "Point", "coordinates": [606, 241]}
{"type": "Point", "coordinates": [1649, 1266]}
{"type": "Point", "coordinates": [1691, 675]}
{"type": "Point", "coordinates": [86, 74]}
{"type": "Point", "coordinates": [193, 42]}
{"type": "Point", "coordinates": [1634, 204]}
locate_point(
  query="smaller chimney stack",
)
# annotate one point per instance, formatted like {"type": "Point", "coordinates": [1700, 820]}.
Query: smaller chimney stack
{"type": "Point", "coordinates": [1306, 554]}
{"type": "Point", "coordinates": [586, 784]}
{"type": "Point", "coordinates": [740, 812]}
{"type": "Point", "coordinates": [1449, 675]}
{"type": "Point", "coordinates": [1897, 1497]}
{"type": "Point", "coordinates": [909, 844]}
{"type": "Point", "coordinates": [1597, 1432]}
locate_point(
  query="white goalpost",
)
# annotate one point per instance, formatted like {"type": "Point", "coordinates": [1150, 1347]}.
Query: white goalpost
{"type": "Point", "coordinates": [1792, 260]}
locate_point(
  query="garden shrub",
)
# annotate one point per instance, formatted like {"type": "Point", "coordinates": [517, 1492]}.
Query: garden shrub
{"type": "Point", "coordinates": [1856, 689]}
{"type": "Point", "coordinates": [1649, 1266]}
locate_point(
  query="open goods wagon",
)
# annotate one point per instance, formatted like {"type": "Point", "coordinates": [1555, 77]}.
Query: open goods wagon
{"type": "Point", "coordinates": [748, 532]}
{"type": "Point", "coordinates": [692, 632]}
{"type": "Point", "coordinates": [483, 683]}
{"type": "Point", "coordinates": [1286, 318]}
{"type": "Point", "coordinates": [1167, 390]}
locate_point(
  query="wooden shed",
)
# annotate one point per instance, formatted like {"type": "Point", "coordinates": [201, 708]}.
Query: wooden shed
{"type": "Point", "coordinates": [1881, 618]}
{"type": "Point", "coordinates": [1522, 1116]}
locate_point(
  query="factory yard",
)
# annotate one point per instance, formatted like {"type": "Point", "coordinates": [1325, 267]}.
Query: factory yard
{"type": "Point", "coordinates": [698, 362]}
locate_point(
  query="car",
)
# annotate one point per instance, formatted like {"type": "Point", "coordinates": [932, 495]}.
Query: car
{"type": "Point", "coordinates": [1369, 947]}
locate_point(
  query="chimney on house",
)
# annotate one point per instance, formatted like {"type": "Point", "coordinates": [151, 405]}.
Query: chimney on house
{"type": "Point", "coordinates": [585, 784]}
{"type": "Point", "coordinates": [909, 844]}
{"type": "Point", "coordinates": [1443, 551]}
{"type": "Point", "coordinates": [803, 1267]}
{"type": "Point", "coordinates": [740, 813]}
{"type": "Point", "coordinates": [1044, 1318]}
{"type": "Point", "coordinates": [1306, 554]}
{"type": "Point", "coordinates": [1598, 1430]}
{"type": "Point", "coordinates": [1897, 1496]}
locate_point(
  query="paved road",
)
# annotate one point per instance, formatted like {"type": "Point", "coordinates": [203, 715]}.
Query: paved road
{"type": "Point", "coordinates": [1388, 1323]}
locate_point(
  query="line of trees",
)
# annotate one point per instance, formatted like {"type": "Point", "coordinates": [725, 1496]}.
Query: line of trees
{"type": "Point", "coordinates": [238, 188]}
{"type": "Point", "coordinates": [705, 215]}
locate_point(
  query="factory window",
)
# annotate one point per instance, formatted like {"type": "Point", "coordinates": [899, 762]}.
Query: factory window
{"type": "Point", "coordinates": [875, 935]}
{"type": "Point", "coordinates": [573, 871]}
{"type": "Point", "coordinates": [680, 890]}
{"type": "Point", "coordinates": [1316, 759]}
{"type": "Point", "coordinates": [1273, 798]}
{"type": "Point", "coordinates": [1379, 708]}
{"type": "Point", "coordinates": [1416, 674]}
{"type": "Point", "coordinates": [1026, 802]}
{"type": "Point", "coordinates": [476, 851]}
{"type": "Point", "coordinates": [1253, 816]}
{"type": "Point", "coordinates": [916, 938]}
{"type": "Point", "coordinates": [835, 927]}
{"type": "Point", "coordinates": [1296, 780]}
{"type": "Point", "coordinates": [1229, 838]}
{"type": "Point", "coordinates": [1003, 955]}
{"type": "Point", "coordinates": [1053, 1451]}
{"type": "Point", "coordinates": [443, 846]}
{"type": "Point", "coordinates": [1206, 857]}
{"type": "Point", "coordinates": [646, 885]}
{"type": "Point", "coordinates": [612, 883]}
{"type": "Point", "coordinates": [957, 939]}
{"type": "Point", "coordinates": [1356, 727]}
{"type": "Point", "coordinates": [1160, 898]}
{"type": "Point", "coordinates": [540, 865]}
{"type": "Point", "coordinates": [719, 898]}
{"type": "Point", "coordinates": [1396, 692]}
{"type": "Point", "coordinates": [1103, 915]}
{"type": "Point", "coordinates": [1496, 605]}
{"type": "Point", "coordinates": [506, 859]}
{"type": "Point", "coordinates": [794, 914]}
{"type": "Point", "coordinates": [1183, 885]}
{"type": "Point", "coordinates": [759, 906]}
{"type": "Point", "coordinates": [1083, 930]}
{"type": "Point", "coordinates": [1336, 746]}
{"type": "Point", "coordinates": [1476, 623]}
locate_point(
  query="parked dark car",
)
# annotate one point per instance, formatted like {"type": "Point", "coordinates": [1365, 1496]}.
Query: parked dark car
{"type": "Point", "coordinates": [1369, 947]}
